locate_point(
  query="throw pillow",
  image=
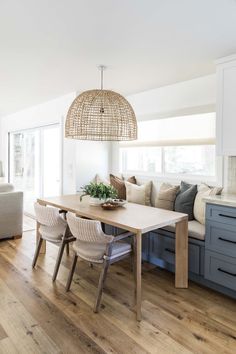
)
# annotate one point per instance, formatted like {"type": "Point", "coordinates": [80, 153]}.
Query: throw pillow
{"type": "Point", "coordinates": [139, 194]}
{"type": "Point", "coordinates": [199, 208]}
{"type": "Point", "coordinates": [166, 196]}
{"type": "Point", "coordinates": [119, 185]}
{"type": "Point", "coordinates": [185, 199]}
{"type": "Point", "coordinates": [98, 179]}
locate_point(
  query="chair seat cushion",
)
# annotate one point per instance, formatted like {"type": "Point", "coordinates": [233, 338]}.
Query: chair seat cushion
{"type": "Point", "coordinates": [52, 233]}
{"type": "Point", "coordinates": [119, 249]}
{"type": "Point", "coordinates": [94, 252]}
{"type": "Point", "coordinates": [195, 229]}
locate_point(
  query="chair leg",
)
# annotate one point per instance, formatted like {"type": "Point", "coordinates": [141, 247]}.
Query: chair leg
{"type": "Point", "coordinates": [40, 241]}
{"type": "Point", "coordinates": [100, 285]}
{"type": "Point", "coordinates": [69, 280]}
{"type": "Point", "coordinates": [58, 262]}
{"type": "Point", "coordinates": [68, 249]}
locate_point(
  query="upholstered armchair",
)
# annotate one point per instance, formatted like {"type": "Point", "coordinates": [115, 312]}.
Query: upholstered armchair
{"type": "Point", "coordinates": [11, 211]}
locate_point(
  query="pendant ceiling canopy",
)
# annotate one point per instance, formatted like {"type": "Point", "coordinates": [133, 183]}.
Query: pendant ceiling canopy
{"type": "Point", "coordinates": [101, 115]}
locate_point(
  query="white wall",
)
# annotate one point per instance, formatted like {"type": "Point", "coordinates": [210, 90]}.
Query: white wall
{"type": "Point", "coordinates": [81, 159]}
{"type": "Point", "coordinates": [92, 157]}
{"type": "Point", "coordinates": [188, 97]}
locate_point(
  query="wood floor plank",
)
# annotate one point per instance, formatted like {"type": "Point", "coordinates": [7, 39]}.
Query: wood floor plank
{"type": "Point", "coordinates": [53, 321]}
{"type": "Point", "coordinates": [3, 333]}
{"type": "Point", "coordinates": [196, 324]}
{"type": "Point", "coordinates": [21, 327]}
{"type": "Point", "coordinates": [152, 290]}
{"type": "Point", "coordinates": [7, 347]}
{"type": "Point", "coordinates": [189, 333]}
{"type": "Point", "coordinates": [196, 320]}
{"type": "Point", "coordinates": [115, 312]}
{"type": "Point", "coordinates": [50, 265]}
{"type": "Point", "coordinates": [99, 329]}
{"type": "Point", "coordinates": [143, 333]}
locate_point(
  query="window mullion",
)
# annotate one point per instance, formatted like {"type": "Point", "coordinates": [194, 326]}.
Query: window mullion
{"type": "Point", "coordinates": [163, 161]}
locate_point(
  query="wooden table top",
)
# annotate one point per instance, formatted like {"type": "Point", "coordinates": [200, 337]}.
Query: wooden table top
{"type": "Point", "coordinates": [131, 217]}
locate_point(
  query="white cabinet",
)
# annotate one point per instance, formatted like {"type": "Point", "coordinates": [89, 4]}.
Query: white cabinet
{"type": "Point", "coordinates": [226, 106]}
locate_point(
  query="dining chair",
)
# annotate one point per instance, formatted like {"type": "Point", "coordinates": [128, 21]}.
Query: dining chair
{"type": "Point", "coordinates": [94, 246]}
{"type": "Point", "coordinates": [52, 228]}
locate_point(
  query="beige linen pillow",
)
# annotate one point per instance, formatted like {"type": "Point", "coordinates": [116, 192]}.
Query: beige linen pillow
{"type": "Point", "coordinates": [138, 194]}
{"type": "Point", "coordinates": [99, 179]}
{"type": "Point", "coordinates": [199, 208]}
{"type": "Point", "coordinates": [166, 196]}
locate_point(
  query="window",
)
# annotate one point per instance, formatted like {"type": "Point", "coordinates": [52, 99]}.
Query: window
{"type": "Point", "coordinates": [142, 159]}
{"type": "Point", "coordinates": [174, 147]}
{"type": "Point", "coordinates": [197, 160]}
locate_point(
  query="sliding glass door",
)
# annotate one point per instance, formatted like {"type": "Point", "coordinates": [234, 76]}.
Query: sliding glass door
{"type": "Point", "coordinates": [35, 163]}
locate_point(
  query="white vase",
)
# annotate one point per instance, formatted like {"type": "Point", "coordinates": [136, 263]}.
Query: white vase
{"type": "Point", "coordinates": [96, 201]}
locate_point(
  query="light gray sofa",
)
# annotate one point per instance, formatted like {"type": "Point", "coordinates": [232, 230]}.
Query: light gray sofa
{"type": "Point", "coordinates": [11, 211]}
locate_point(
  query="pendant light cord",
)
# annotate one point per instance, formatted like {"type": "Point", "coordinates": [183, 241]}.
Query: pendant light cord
{"type": "Point", "coordinates": [102, 68]}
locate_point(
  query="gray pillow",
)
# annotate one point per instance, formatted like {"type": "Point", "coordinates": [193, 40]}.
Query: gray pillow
{"type": "Point", "coordinates": [185, 199]}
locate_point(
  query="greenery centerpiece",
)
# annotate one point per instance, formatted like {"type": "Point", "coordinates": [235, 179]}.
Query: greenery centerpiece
{"type": "Point", "coordinates": [98, 192]}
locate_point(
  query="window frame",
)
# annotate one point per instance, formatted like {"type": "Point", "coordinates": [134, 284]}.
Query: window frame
{"type": "Point", "coordinates": [217, 179]}
{"type": "Point", "coordinates": [213, 180]}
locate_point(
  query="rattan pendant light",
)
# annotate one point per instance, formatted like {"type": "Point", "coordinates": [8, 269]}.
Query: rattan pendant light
{"type": "Point", "coordinates": [101, 115]}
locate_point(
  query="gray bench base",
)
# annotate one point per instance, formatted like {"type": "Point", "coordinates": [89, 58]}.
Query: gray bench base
{"type": "Point", "coordinates": [158, 249]}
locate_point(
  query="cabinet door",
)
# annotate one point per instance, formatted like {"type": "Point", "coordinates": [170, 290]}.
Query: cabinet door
{"type": "Point", "coordinates": [226, 109]}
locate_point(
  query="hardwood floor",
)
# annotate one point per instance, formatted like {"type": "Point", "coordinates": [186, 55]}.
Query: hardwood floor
{"type": "Point", "coordinates": [37, 316]}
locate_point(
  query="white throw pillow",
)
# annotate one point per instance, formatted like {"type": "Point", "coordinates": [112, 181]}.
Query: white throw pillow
{"type": "Point", "coordinates": [139, 194]}
{"type": "Point", "coordinates": [199, 208]}
{"type": "Point", "coordinates": [99, 179]}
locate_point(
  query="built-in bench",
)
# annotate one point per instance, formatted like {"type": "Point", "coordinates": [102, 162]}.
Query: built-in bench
{"type": "Point", "coordinates": [212, 261]}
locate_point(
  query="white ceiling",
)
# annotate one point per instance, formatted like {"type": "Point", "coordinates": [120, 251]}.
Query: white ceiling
{"type": "Point", "coordinates": [52, 47]}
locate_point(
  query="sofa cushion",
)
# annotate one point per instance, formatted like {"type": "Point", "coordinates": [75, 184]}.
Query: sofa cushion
{"type": "Point", "coordinates": [185, 199]}
{"type": "Point", "coordinates": [199, 208]}
{"type": "Point", "coordinates": [119, 184]}
{"type": "Point", "coordinates": [195, 229]}
{"type": "Point", "coordinates": [6, 187]}
{"type": "Point", "coordinates": [166, 196]}
{"type": "Point", "coordinates": [139, 194]}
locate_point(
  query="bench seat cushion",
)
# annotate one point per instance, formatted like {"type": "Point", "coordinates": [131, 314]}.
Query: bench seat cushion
{"type": "Point", "coordinates": [195, 229]}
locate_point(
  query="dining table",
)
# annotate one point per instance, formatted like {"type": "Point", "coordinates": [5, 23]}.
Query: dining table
{"type": "Point", "coordinates": [139, 220]}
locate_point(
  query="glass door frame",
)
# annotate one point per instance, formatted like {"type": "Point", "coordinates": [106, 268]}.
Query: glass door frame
{"type": "Point", "coordinates": [41, 150]}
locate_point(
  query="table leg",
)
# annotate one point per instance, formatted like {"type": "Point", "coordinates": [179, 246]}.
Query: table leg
{"type": "Point", "coordinates": [138, 265]}
{"type": "Point", "coordinates": [181, 254]}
